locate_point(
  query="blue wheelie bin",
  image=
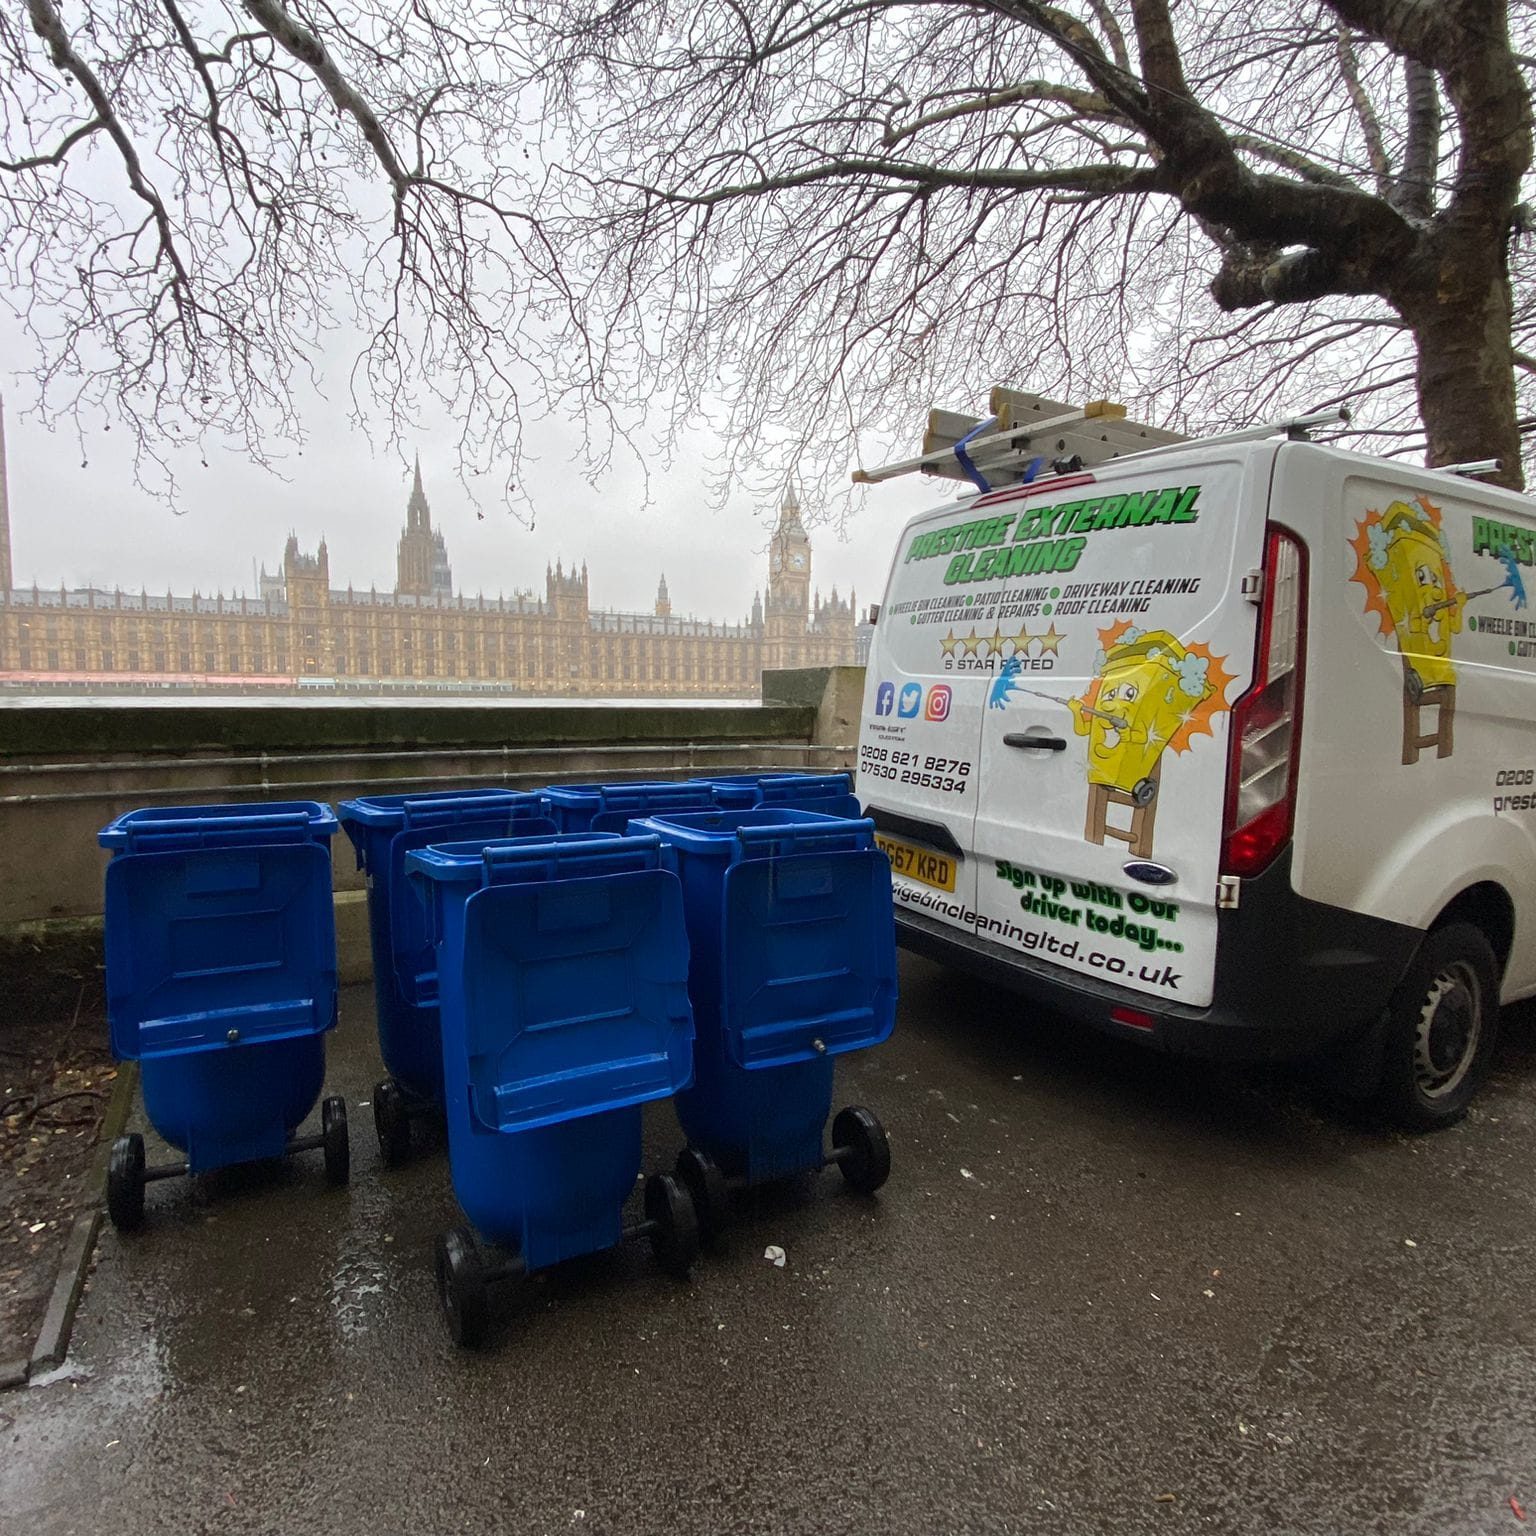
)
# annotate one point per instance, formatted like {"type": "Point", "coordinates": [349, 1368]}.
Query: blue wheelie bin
{"type": "Point", "coordinates": [830, 794]}
{"type": "Point", "coordinates": [611, 807]}
{"type": "Point", "coordinates": [793, 962]}
{"type": "Point", "coordinates": [221, 984]}
{"type": "Point", "coordinates": [383, 830]}
{"type": "Point", "coordinates": [563, 966]}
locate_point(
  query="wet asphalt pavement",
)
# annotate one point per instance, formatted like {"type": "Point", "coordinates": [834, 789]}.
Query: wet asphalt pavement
{"type": "Point", "coordinates": [1102, 1291]}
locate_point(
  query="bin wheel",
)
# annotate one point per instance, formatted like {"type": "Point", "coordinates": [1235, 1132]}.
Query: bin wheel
{"type": "Point", "coordinates": [125, 1183]}
{"type": "Point", "coordinates": [866, 1160]}
{"type": "Point", "coordinates": [704, 1180]}
{"type": "Point", "coordinates": [338, 1150]}
{"type": "Point", "coordinates": [462, 1287]}
{"type": "Point", "coordinates": [675, 1229]}
{"type": "Point", "coordinates": [391, 1122]}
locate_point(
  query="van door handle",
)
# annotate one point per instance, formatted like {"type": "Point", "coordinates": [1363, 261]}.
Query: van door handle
{"type": "Point", "coordinates": [1035, 743]}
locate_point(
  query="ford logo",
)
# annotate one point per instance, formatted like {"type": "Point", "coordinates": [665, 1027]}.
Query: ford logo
{"type": "Point", "coordinates": [1150, 874]}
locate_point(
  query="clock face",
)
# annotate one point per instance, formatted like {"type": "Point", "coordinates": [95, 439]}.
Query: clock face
{"type": "Point", "coordinates": [797, 560]}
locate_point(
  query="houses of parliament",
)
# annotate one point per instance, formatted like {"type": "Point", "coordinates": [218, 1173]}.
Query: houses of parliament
{"type": "Point", "coordinates": [301, 633]}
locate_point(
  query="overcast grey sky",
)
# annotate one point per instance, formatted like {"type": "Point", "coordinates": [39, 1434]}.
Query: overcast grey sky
{"type": "Point", "coordinates": [92, 525]}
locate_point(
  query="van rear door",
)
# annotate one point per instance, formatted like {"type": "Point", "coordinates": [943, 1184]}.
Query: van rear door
{"type": "Point", "coordinates": [920, 734]}
{"type": "Point", "coordinates": [1118, 636]}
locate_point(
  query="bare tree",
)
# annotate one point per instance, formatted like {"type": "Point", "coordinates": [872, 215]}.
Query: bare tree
{"type": "Point", "coordinates": [814, 217]}
{"type": "Point", "coordinates": [837, 211]}
{"type": "Point", "coordinates": [195, 197]}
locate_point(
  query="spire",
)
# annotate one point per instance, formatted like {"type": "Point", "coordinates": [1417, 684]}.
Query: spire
{"type": "Point", "coordinates": [663, 601]}
{"type": "Point", "coordinates": [789, 510]}
{"type": "Point", "coordinates": [418, 517]}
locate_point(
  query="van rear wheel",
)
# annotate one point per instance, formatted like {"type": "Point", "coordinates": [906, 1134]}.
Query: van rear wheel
{"type": "Point", "coordinates": [1442, 1025]}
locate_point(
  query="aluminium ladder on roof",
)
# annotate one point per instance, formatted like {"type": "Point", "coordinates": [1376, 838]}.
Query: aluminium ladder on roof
{"type": "Point", "coordinates": [1028, 434]}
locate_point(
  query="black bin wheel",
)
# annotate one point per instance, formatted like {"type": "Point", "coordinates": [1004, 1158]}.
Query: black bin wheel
{"type": "Point", "coordinates": [866, 1153]}
{"type": "Point", "coordinates": [704, 1180]}
{"type": "Point", "coordinates": [675, 1233]}
{"type": "Point", "coordinates": [391, 1122]}
{"type": "Point", "coordinates": [125, 1183]}
{"type": "Point", "coordinates": [463, 1287]}
{"type": "Point", "coordinates": [1442, 1025]}
{"type": "Point", "coordinates": [338, 1150]}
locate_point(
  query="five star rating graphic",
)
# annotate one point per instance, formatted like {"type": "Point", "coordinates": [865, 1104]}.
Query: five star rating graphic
{"type": "Point", "coordinates": [1048, 641]}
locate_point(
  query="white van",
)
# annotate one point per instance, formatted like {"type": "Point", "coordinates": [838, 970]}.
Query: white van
{"type": "Point", "coordinates": [1226, 746]}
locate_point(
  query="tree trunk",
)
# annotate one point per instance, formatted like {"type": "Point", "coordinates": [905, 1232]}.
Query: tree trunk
{"type": "Point", "coordinates": [1456, 298]}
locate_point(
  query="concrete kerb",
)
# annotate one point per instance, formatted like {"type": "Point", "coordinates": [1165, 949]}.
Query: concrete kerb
{"type": "Point", "coordinates": [53, 1338]}
{"type": "Point", "coordinates": [52, 1343]}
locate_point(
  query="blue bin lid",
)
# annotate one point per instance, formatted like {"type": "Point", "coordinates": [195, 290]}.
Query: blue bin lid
{"type": "Point", "coordinates": [760, 832]}
{"type": "Point", "coordinates": [563, 856]}
{"type": "Point", "coordinates": [209, 948]}
{"type": "Point", "coordinates": [174, 827]}
{"type": "Point", "coordinates": [631, 792]}
{"type": "Point", "coordinates": [803, 783]}
{"type": "Point", "coordinates": [575, 1001]}
{"type": "Point", "coordinates": [447, 805]}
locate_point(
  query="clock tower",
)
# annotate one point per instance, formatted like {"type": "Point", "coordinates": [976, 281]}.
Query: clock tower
{"type": "Point", "coordinates": [789, 559]}
{"type": "Point", "coordinates": [787, 610]}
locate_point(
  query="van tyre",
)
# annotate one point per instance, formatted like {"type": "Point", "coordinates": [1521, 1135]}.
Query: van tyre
{"type": "Point", "coordinates": [1442, 1026]}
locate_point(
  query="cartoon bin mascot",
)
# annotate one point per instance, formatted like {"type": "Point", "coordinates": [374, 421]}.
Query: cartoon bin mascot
{"type": "Point", "coordinates": [1407, 561]}
{"type": "Point", "coordinates": [1146, 690]}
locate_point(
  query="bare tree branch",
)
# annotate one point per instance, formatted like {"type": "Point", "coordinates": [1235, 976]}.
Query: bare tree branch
{"type": "Point", "coordinates": [1365, 113]}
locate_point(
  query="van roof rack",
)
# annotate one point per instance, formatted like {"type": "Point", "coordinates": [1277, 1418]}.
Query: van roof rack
{"type": "Point", "coordinates": [1027, 437]}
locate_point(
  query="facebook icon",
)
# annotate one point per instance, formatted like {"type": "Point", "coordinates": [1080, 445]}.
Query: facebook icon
{"type": "Point", "coordinates": [885, 698]}
{"type": "Point", "coordinates": [911, 701]}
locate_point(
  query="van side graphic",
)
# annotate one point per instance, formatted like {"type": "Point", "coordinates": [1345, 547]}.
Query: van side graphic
{"type": "Point", "coordinates": [1402, 564]}
{"type": "Point", "coordinates": [1150, 692]}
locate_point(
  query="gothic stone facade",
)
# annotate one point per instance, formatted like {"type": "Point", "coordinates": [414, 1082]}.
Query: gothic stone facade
{"type": "Point", "coordinates": [301, 632]}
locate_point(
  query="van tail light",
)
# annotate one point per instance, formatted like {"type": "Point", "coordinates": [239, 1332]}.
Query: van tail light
{"type": "Point", "coordinates": [1266, 721]}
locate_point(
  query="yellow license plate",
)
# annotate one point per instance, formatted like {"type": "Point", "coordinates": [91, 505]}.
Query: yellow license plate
{"type": "Point", "coordinates": [920, 864]}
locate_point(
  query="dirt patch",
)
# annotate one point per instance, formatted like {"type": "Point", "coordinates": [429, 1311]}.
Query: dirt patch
{"type": "Point", "coordinates": [55, 1081]}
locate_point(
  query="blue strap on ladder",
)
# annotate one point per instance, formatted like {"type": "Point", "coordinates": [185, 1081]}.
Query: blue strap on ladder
{"type": "Point", "coordinates": [965, 461]}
